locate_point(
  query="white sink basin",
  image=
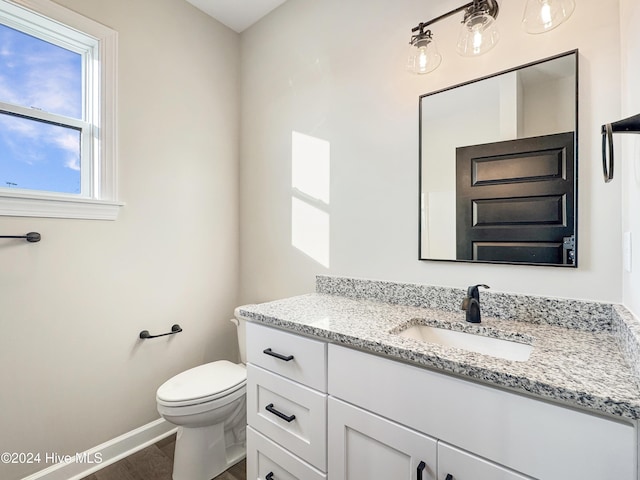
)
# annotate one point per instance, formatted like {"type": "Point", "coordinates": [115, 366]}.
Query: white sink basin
{"type": "Point", "coordinates": [495, 347]}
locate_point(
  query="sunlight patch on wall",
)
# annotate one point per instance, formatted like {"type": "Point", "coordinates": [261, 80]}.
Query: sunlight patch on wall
{"type": "Point", "coordinates": [310, 230]}
{"type": "Point", "coordinates": [310, 186]}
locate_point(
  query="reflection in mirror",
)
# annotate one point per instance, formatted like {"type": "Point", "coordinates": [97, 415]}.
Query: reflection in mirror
{"type": "Point", "coordinates": [498, 167]}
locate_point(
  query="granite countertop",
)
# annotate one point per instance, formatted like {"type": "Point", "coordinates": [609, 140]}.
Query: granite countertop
{"type": "Point", "coordinates": [582, 367]}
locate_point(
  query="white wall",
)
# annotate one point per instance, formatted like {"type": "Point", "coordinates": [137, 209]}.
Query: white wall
{"type": "Point", "coordinates": [629, 175]}
{"type": "Point", "coordinates": [335, 70]}
{"type": "Point", "coordinates": [448, 124]}
{"type": "Point", "coordinates": [73, 372]}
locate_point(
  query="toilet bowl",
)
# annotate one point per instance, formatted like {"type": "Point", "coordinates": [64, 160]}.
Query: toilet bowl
{"type": "Point", "coordinates": [208, 405]}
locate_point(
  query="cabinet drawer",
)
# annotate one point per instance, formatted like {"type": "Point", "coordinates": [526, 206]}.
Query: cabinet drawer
{"type": "Point", "coordinates": [464, 466]}
{"type": "Point", "coordinates": [298, 358]}
{"type": "Point", "coordinates": [271, 397]}
{"type": "Point", "coordinates": [531, 436]}
{"type": "Point", "coordinates": [265, 457]}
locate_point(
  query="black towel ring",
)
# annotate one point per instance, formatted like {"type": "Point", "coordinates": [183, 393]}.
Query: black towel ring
{"type": "Point", "coordinates": [607, 166]}
{"type": "Point", "coordinates": [627, 125]}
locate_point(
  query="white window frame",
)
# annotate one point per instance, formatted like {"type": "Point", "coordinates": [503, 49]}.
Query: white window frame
{"type": "Point", "coordinates": [98, 46]}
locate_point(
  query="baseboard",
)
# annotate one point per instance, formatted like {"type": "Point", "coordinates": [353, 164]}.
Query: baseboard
{"type": "Point", "coordinates": [107, 453]}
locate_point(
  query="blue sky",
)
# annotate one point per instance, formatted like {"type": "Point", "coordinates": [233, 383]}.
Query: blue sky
{"type": "Point", "coordinates": [33, 73]}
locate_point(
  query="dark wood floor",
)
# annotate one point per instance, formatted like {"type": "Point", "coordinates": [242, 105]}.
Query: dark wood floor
{"type": "Point", "coordinates": [156, 463]}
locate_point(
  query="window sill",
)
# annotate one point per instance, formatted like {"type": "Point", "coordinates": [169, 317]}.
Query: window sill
{"type": "Point", "coordinates": [58, 207]}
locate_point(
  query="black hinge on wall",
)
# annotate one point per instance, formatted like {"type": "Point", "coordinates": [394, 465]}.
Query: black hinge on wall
{"type": "Point", "coordinates": [569, 246]}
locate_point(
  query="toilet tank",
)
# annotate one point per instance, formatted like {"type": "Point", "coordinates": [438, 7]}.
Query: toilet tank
{"type": "Point", "coordinates": [242, 342]}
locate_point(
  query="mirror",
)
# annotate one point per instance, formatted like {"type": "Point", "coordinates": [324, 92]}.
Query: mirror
{"type": "Point", "coordinates": [498, 167]}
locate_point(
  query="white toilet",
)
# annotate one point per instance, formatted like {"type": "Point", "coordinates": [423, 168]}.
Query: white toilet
{"type": "Point", "coordinates": [209, 406]}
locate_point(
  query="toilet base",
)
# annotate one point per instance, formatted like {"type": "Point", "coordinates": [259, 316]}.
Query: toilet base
{"type": "Point", "coordinates": [201, 453]}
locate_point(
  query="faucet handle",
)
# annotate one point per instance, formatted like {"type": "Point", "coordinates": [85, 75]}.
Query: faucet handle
{"type": "Point", "coordinates": [465, 303]}
{"type": "Point", "coordinates": [473, 292]}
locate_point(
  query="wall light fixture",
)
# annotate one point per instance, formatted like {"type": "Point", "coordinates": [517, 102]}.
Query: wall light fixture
{"type": "Point", "coordinates": [478, 32]}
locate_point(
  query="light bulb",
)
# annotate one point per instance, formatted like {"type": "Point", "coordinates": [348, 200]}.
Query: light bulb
{"type": "Point", "coordinates": [543, 15]}
{"type": "Point", "coordinates": [423, 55]}
{"type": "Point", "coordinates": [422, 59]}
{"type": "Point", "coordinates": [477, 40]}
{"type": "Point", "coordinates": [478, 35]}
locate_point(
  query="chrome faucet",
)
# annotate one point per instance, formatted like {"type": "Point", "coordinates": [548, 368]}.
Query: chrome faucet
{"type": "Point", "coordinates": [471, 303]}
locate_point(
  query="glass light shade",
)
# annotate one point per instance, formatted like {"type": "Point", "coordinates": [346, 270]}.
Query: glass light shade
{"type": "Point", "coordinates": [423, 57]}
{"type": "Point", "coordinates": [478, 35]}
{"type": "Point", "coordinates": [543, 15]}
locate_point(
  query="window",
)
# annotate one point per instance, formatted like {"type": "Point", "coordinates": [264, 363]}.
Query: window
{"type": "Point", "coordinates": [57, 113]}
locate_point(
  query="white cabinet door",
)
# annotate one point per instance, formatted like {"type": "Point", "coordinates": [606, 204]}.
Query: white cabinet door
{"type": "Point", "coordinates": [455, 464]}
{"type": "Point", "coordinates": [364, 446]}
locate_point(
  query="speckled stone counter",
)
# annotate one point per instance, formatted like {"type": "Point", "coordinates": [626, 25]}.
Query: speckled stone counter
{"type": "Point", "coordinates": [584, 354]}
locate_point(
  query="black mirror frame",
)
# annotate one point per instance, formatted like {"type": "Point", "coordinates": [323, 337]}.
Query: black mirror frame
{"type": "Point", "coordinates": [575, 53]}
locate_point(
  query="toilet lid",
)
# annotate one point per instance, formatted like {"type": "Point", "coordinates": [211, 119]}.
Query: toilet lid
{"type": "Point", "coordinates": [208, 381]}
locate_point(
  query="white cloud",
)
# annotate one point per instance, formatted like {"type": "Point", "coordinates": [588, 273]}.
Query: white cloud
{"type": "Point", "coordinates": [7, 93]}
{"type": "Point", "coordinates": [73, 162]}
{"type": "Point", "coordinates": [40, 75]}
{"type": "Point", "coordinates": [32, 141]}
{"type": "Point", "coordinates": [54, 87]}
{"type": "Point", "coordinates": [66, 140]}
{"type": "Point", "coordinates": [70, 143]}
{"type": "Point", "coordinates": [19, 126]}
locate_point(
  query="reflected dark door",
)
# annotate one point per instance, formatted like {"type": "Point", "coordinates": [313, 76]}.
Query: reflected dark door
{"type": "Point", "coordinates": [515, 201]}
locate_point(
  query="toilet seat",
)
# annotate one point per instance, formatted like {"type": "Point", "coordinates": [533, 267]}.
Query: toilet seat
{"type": "Point", "coordinates": [202, 384]}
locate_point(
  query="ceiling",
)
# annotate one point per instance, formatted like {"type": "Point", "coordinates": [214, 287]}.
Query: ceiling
{"type": "Point", "coordinates": [237, 14]}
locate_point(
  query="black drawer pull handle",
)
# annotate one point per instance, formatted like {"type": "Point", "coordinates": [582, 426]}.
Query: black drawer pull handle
{"type": "Point", "coordinates": [449, 477]}
{"type": "Point", "coordinates": [421, 467]}
{"type": "Point", "coordinates": [269, 476]}
{"type": "Point", "coordinates": [286, 358]}
{"type": "Point", "coordinates": [286, 418]}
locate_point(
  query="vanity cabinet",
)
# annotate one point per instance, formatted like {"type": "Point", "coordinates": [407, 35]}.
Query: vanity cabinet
{"type": "Point", "coordinates": [385, 419]}
{"type": "Point", "coordinates": [517, 436]}
{"type": "Point", "coordinates": [286, 405]}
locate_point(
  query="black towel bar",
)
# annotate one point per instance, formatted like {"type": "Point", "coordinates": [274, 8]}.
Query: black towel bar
{"type": "Point", "coordinates": [31, 237]}
{"type": "Point", "coordinates": [174, 329]}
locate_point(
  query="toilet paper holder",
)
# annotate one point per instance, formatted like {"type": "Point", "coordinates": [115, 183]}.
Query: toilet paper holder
{"type": "Point", "coordinates": [627, 125]}
{"type": "Point", "coordinates": [144, 334]}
